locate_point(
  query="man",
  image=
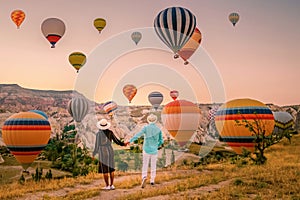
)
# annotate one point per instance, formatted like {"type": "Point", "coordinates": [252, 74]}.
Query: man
{"type": "Point", "coordinates": [152, 140]}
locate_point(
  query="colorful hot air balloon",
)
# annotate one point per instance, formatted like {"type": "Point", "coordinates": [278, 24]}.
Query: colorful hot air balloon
{"type": "Point", "coordinates": [191, 46]}
{"type": "Point", "coordinates": [99, 24]}
{"type": "Point", "coordinates": [181, 118]}
{"type": "Point", "coordinates": [53, 29]}
{"type": "Point", "coordinates": [77, 60]}
{"type": "Point", "coordinates": [129, 91]}
{"type": "Point", "coordinates": [239, 136]}
{"type": "Point", "coordinates": [174, 94]}
{"type": "Point", "coordinates": [136, 37]}
{"type": "Point", "coordinates": [234, 18]}
{"type": "Point", "coordinates": [155, 98]}
{"type": "Point", "coordinates": [109, 107]}
{"type": "Point", "coordinates": [283, 122]}
{"type": "Point", "coordinates": [26, 134]}
{"type": "Point", "coordinates": [174, 26]}
{"type": "Point", "coordinates": [17, 17]}
{"type": "Point", "coordinates": [78, 108]}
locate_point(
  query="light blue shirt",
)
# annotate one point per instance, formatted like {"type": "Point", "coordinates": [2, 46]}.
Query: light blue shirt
{"type": "Point", "coordinates": [152, 138]}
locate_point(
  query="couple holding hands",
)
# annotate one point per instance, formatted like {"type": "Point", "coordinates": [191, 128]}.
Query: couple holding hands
{"type": "Point", "coordinates": [152, 140]}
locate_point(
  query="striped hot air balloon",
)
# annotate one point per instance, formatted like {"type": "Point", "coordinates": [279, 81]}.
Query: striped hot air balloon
{"type": "Point", "coordinates": [26, 134]}
{"type": "Point", "coordinates": [129, 91]}
{"type": "Point", "coordinates": [181, 118]}
{"type": "Point", "coordinates": [191, 46]}
{"type": "Point", "coordinates": [110, 106]}
{"type": "Point", "coordinates": [77, 60]}
{"type": "Point", "coordinates": [40, 113]}
{"type": "Point", "coordinates": [174, 94]}
{"type": "Point", "coordinates": [283, 122]}
{"type": "Point", "coordinates": [155, 98]}
{"type": "Point", "coordinates": [78, 108]}
{"type": "Point", "coordinates": [233, 18]}
{"type": "Point", "coordinates": [99, 24]}
{"type": "Point", "coordinates": [136, 37]}
{"type": "Point", "coordinates": [53, 29]}
{"type": "Point", "coordinates": [239, 137]}
{"type": "Point", "coordinates": [17, 16]}
{"type": "Point", "coordinates": [174, 26]}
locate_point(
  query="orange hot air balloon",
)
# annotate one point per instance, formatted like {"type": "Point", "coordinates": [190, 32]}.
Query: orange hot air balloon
{"type": "Point", "coordinates": [191, 46]}
{"type": "Point", "coordinates": [26, 134]}
{"type": "Point", "coordinates": [239, 137]}
{"type": "Point", "coordinates": [181, 118]}
{"type": "Point", "coordinates": [174, 94]}
{"type": "Point", "coordinates": [129, 91]}
{"type": "Point", "coordinates": [17, 17]}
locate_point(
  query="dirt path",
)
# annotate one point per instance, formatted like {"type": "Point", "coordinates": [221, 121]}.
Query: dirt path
{"type": "Point", "coordinates": [113, 194]}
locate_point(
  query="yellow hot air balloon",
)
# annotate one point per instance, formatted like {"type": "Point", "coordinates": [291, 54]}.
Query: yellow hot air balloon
{"type": "Point", "coordinates": [17, 17]}
{"type": "Point", "coordinates": [26, 134]}
{"type": "Point", "coordinates": [239, 137]}
{"type": "Point", "coordinates": [77, 60]}
{"type": "Point", "coordinates": [99, 24]}
{"type": "Point", "coordinates": [181, 118]}
{"type": "Point", "coordinates": [129, 91]}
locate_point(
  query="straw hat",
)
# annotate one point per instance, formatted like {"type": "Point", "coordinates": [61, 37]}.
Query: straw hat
{"type": "Point", "coordinates": [151, 118]}
{"type": "Point", "coordinates": [103, 124]}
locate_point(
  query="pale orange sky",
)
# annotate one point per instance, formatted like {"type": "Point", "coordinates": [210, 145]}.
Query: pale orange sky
{"type": "Point", "coordinates": [259, 58]}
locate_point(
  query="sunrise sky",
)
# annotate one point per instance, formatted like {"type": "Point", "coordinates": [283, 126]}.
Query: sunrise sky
{"type": "Point", "coordinates": [258, 58]}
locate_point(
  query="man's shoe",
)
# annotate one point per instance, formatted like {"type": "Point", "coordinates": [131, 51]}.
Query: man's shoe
{"type": "Point", "coordinates": [143, 182]}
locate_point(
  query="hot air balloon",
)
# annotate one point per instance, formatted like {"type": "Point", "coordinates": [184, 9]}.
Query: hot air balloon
{"type": "Point", "coordinates": [53, 29]}
{"type": "Point", "coordinates": [239, 136]}
{"type": "Point", "coordinates": [17, 17]}
{"type": "Point", "coordinates": [283, 122]}
{"type": "Point", "coordinates": [109, 107]}
{"type": "Point", "coordinates": [77, 60]}
{"type": "Point", "coordinates": [174, 26]}
{"type": "Point", "coordinates": [212, 112]}
{"type": "Point", "coordinates": [234, 18]}
{"type": "Point", "coordinates": [174, 94]}
{"type": "Point", "coordinates": [26, 134]}
{"type": "Point", "coordinates": [78, 108]}
{"type": "Point", "coordinates": [181, 118]}
{"type": "Point", "coordinates": [40, 113]}
{"type": "Point", "coordinates": [191, 46]}
{"type": "Point", "coordinates": [155, 98]}
{"type": "Point", "coordinates": [99, 24]}
{"type": "Point", "coordinates": [136, 37]}
{"type": "Point", "coordinates": [129, 91]}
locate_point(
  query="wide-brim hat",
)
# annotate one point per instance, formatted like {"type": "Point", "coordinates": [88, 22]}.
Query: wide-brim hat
{"type": "Point", "coordinates": [103, 124]}
{"type": "Point", "coordinates": [151, 118]}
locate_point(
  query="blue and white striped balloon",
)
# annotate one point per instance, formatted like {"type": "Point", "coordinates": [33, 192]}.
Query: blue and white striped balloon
{"type": "Point", "coordinates": [155, 98]}
{"type": "Point", "coordinates": [78, 108]}
{"type": "Point", "coordinates": [174, 26]}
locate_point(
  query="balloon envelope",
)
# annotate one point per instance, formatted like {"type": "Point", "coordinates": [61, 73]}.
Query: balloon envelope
{"type": "Point", "coordinates": [283, 122]}
{"type": "Point", "coordinates": [110, 106]}
{"type": "Point", "coordinates": [191, 46]}
{"type": "Point", "coordinates": [17, 16]}
{"type": "Point", "coordinates": [136, 37]}
{"type": "Point", "coordinates": [53, 29]}
{"type": "Point", "coordinates": [99, 24]}
{"type": "Point", "coordinates": [26, 134]}
{"type": "Point", "coordinates": [181, 118]}
{"type": "Point", "coordinates": [129, 91]}
{"type": "Point", "coordinates": [78, 108]}
{"type": "Point", "coordinates": [174, 26]}
{"type": "Point", "coordinates": [234, 18]}
{"type": "Point", "coordinates": [174, 94]}
{"type": "Point", "coordinates": [40, 113]}
{"type": "Point", "coordinates": [239, 137]}
{"type": "Point", "coordinates": [77, 60]}
{"type": "Point", "coordinates": [155, 98]}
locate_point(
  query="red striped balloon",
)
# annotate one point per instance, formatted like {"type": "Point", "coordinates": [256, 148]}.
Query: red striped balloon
{"type": "Point", "coordinates": [17, 16]}
{"type": "Point", "coordinates": [239, 137]}
{"type": "Point", "coordinates": [26, 134]}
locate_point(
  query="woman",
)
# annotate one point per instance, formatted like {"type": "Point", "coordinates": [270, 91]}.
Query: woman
{"type": "Point", "coordinates": [105, 151]}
